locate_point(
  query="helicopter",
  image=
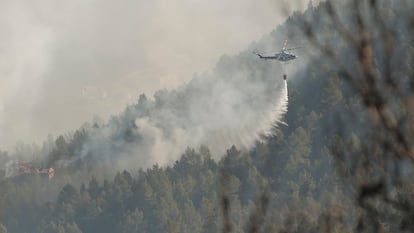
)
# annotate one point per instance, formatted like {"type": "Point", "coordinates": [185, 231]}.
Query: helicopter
{"type": "Point", "coordinates": [282, 56]}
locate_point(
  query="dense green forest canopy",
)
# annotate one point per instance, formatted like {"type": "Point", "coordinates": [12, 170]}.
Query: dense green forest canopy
{"type": "Point", "coordinates": [285, 183]}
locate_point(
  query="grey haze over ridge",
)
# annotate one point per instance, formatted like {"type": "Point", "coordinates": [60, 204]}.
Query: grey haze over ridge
{"type": "Point", "coordinates": [62, 63]}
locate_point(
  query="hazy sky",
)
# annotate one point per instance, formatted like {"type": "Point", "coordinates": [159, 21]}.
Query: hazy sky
{"type": "Point", "coordinates": [64, 62]}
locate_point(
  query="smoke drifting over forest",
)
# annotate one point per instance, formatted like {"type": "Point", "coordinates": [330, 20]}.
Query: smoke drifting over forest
{"type": "Point", "coordinates": [230, 106]}
{"type": "Point", "coordinates": [63, 63]}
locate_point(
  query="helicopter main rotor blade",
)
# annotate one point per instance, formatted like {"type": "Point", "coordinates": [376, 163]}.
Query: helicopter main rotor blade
{"type": "Point", "coordinates": [293, 48]}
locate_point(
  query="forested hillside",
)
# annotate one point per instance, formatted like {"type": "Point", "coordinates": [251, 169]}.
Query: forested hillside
{"type": "Point", "coordinates": [289, 181]}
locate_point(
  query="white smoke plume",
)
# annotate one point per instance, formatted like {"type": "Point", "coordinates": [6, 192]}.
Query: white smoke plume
{"type": "Point", "coordinates": [94, 57]}
{"type": "Point", "coordinates": [238, 103]}
{"type": "Point", "coordinates": [9, 169]}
